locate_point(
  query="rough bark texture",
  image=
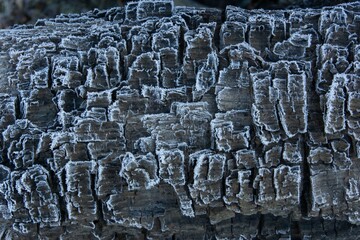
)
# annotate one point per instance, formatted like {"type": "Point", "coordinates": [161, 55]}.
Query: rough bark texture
{"type": "Point", "coordinates": [28, 11]}
{"type": "Point", "coordinates": [155, 122]}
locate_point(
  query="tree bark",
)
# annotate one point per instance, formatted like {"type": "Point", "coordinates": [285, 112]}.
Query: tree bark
{"type": "Point", "coordinates": [156, 122]}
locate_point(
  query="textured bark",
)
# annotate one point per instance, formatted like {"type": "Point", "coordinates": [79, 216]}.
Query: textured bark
{"type": "Point", "coordinates": [155, 122]}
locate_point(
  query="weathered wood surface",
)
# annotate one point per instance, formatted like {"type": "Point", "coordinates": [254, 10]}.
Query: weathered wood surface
{"type": "Point", "coordinates": [179, 123]}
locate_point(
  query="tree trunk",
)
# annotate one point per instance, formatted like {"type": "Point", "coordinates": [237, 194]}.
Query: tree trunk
{"type": "Point", "coordinates": [155, 122]}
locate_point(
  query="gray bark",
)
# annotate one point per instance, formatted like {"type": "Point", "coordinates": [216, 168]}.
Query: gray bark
{"type": "Point", "coordinates": [155, 122]}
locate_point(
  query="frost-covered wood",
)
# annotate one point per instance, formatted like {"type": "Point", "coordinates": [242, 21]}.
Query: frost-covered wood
{"type": "Point", "coordinates": [151, 121]}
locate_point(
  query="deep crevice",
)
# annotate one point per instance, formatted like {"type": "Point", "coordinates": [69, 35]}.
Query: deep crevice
{"type": "Point", "coordinates": [306, 183]}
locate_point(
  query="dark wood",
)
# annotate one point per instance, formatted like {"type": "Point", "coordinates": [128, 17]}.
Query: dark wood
{"type": "Point", "coordinates": [155, 122]}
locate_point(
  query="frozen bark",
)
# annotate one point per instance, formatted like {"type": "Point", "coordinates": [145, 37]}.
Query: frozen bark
{"type": "Point", "coordinates": [156, 122]}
